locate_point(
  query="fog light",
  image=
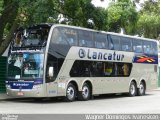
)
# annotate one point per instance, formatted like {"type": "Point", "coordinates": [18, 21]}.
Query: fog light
{"type": "Point", "coordinates": [8, 86]}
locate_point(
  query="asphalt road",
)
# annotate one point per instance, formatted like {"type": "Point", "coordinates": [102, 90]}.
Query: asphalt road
{"type": "Point", "coordinates": [105, 104]}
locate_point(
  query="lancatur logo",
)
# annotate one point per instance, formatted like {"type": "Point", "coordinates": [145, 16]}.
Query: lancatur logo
{"type": "Point", "coordinates": [82, 53]}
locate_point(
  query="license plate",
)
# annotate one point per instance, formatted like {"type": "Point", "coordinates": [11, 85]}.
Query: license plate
{"type": "Point", "coordinates": [20, 94]}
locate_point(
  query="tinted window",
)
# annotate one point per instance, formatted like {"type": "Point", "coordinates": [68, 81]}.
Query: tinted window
{"type": "Point", "coordinates": [56, 63]}
{"type": "Point", "coordinates": [154, 48]}
{"type": "Point", "coordinates": [147, 47]}
{"type": "Point", "coordinates": [126, 44]}
{"type": "Point", "coordinates": [114, 43]}
{"type": "Point", "coordinates": [83, 68]}
{"type": "Point", "coordinates": [137, 45]}
{"type": "Point", "coordinates": [101, 40]}
{"type": "Point", "coordinates": [65, 36]}
{"type": "Point", "coordinates": [85, 39]}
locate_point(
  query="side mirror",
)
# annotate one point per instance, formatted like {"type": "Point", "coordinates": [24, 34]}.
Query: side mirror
{"type": "Point", "coordinates": [51, 71]}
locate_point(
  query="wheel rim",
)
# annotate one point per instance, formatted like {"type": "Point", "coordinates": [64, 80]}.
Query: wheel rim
{"type": "Point", "coordinates": [141, 88]}
{"type": "Point", "coordinates": [85, 92]}
{"type": "Point", "coordinates": [70, 93]}
{"type": "Point", "coordinates": [132, 89]}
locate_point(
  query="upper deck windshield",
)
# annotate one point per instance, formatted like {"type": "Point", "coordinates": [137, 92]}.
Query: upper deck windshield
{"type": "Point", "coordinates": [33, 36]}
{"type": "Point", "coordinates": [25, 65]}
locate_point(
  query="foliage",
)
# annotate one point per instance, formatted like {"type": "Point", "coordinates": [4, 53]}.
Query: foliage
{"type": "Point", "coordinates": [1, 6]}
{"type": "Point", "coordinates": [83, 13]}
{"type": "Point", "coordinates": [122, 14]}
{"type": "Point", "coordinates": [15, 13]}
{"type": "Point", "coordinates": [37, 11]}
{"type": "Point", "coordinates": [149, 21]}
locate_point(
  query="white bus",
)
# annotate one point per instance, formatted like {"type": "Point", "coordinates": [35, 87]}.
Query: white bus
{"type": "Point", "coordinates": [77, 63]}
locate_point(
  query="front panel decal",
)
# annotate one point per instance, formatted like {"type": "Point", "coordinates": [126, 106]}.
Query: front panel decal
{"type": "Point", "coordinates": [21, 85]}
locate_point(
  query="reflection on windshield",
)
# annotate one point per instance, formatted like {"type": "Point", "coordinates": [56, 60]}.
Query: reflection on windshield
{"type": "Point", "coordinates": [36, 37]}
{"type": "Point", "coordinates": [32, 37]}
{"type": "Point", "coordinates": [25, 65]}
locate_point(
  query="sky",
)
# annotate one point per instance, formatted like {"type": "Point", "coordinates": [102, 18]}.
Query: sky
{"type": "Point", "coordinates": [98, 3]}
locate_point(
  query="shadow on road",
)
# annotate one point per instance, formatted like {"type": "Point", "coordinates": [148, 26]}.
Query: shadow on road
{"type": "Point", "coordinates": [116, 96]}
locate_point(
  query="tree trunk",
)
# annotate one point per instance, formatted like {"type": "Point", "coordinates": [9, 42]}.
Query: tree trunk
{"type": "Point", "coordinates": [5, 43]}
{"type": "Point", "coordinates": [8, 17]}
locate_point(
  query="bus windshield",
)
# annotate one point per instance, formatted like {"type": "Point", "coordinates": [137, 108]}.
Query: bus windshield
{"type": "Point", "coordinates": [25, 65]}
{"type": "Point", "coordinates": [35, 37]}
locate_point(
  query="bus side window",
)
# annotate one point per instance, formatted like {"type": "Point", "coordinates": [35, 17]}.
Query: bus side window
{"type": "Point", "coordinates": [126, 44]}
{"type": "Point", "coordinates": [114, 42]}
{"type": "Point", "coordinates": [81, 69]}
{"type": "Point", "coordinates": [85, 39]}
{"type": "Point", "coordinates": [154, 48]}
{"type": "Point", "coordinates": [71, 36]}
{"type": "Point", "coordinates": [108, 68]}
{"type": "Point", "coordinates": [100, 40]}
{"type": "Point", "coordinates": [147, 47]}
{"type": "Point", "coordinates": [125, 69]}
{"type": "Point", "coordinates": [58, 37]}
{"type": "Point", "coordinates": [137, 46]}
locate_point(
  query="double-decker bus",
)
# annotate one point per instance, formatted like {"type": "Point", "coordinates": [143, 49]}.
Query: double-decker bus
{"type": "Point", "coordinates": [77, 63]}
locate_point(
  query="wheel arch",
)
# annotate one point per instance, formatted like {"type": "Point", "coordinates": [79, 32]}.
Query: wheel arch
{"type": "Point", "coordinates": [74, 83]}
{"type": "Point", "coordinates": [133, 80]}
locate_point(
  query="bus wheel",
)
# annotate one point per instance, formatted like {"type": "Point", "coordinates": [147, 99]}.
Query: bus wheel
{"type": "Point", "coordinates": [85, 93]}
{"type": "Point", "coordinates": [132, 89]}
{"type": "Point", "coordinates": [141, 89]}
{"type": "Point", "coordinates": [70, 93]}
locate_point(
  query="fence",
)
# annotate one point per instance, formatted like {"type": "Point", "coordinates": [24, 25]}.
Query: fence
{"type": "Point", "coordinates": [2, 74]}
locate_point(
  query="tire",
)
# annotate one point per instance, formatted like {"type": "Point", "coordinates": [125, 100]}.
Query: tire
{"type": "Point", "coordinates": [141, 89]}
{"type": "Point", "coordinates": [132, 89]}
{"type": "Point", "coordinates": [85, 94]}
{"type": "Point", "coordinates": [71, 93]}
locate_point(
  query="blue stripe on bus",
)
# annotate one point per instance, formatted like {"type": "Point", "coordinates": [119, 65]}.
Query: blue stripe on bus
{"type": "Point", "coordinates": [25, 84]}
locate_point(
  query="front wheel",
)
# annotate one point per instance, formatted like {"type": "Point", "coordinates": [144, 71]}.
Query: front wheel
{"type": "Point", "coordinates": [141, 89]}
{"type": "Point", "coordinates": [85, 93]}
{"type": "Point", "coordinates": [132, 89]}
{"type": "Point", "coordinates": [70, 93]}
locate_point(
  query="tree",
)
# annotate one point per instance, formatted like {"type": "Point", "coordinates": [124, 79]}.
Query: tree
{"type": "Point", "coordinates": [149, 21]}
{"type": "Point", "coordinates": [83, 13]}
{"type": "Point", "coordinates": [7, 18]}
{"type": "Point", "coordinates": [15, 13]}
{"type": "Point", "coordinates": [122, 14]}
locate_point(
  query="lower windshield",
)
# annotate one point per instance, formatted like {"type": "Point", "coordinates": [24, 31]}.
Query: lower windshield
{"type": "Point", "coordinates": [25, 65]}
